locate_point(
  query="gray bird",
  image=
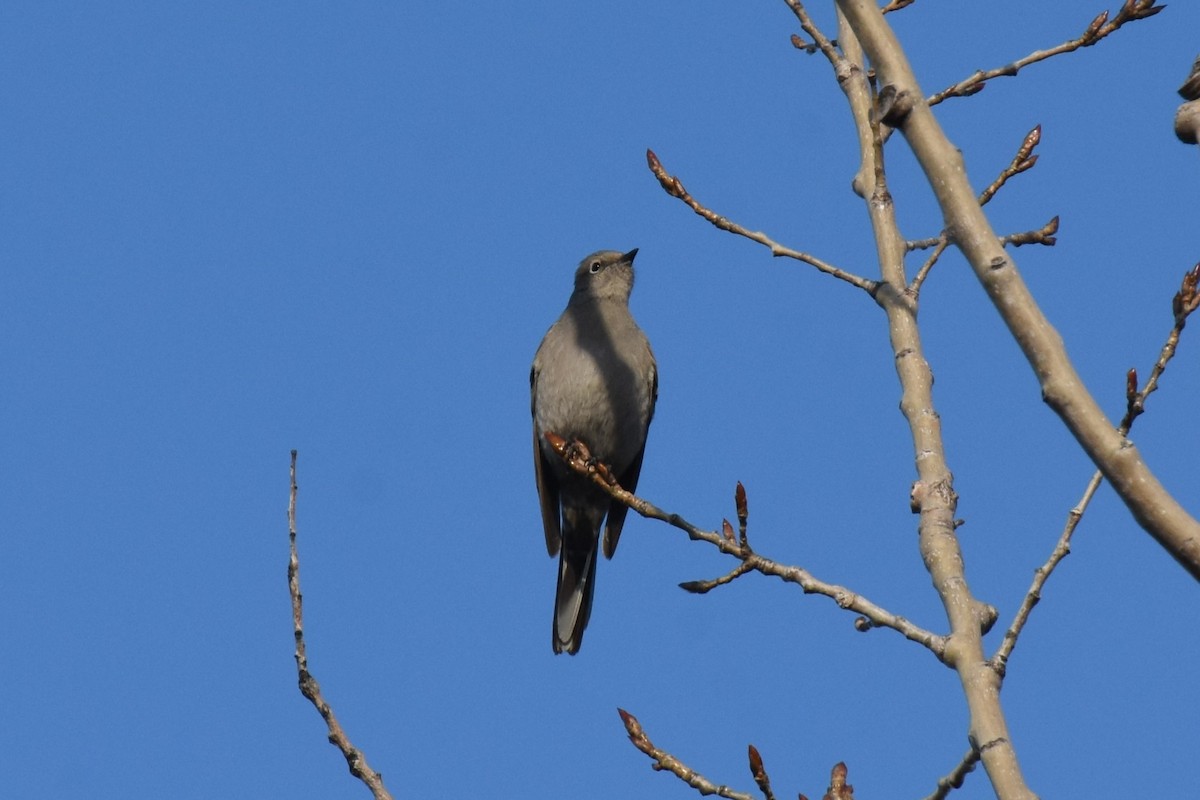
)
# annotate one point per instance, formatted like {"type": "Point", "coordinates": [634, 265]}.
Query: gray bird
{"type": "Point", "coordinates": [594, 379]}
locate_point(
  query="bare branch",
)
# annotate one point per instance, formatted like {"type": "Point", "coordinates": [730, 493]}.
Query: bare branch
{"type": "Point", "coordinates": [799, 43]}
{"type": "Point", "coordinates": [1033, 596]}
{"type": "Point", "coordinates": [674, 187]}
{"type": "Point", "coordinates": [1043, 235]}
{"type": "Point", "coordinates": [704, 587]}
{"type": "Point", "coordinates": [668, 763]}
{"type": "Point", "coordinates": [1022, 161]}
{"type": "Point", "coordinates": [1149, 502]}
{"type": "Point", "coordinates": [1183, 304]}
{"type": "Point", "coordinates": [309, 687]}
{"type": "Point", "coordinates": [933, 496]}
{"type": "Point", "coordinates": [1096, 30]}
{"type": "Point", "coordinates": [577, 457]}
{"type": "Point", "coordinates": [665, 762]}
{"type": "Point", "coordinates": [940, 245]}
{"type": "Point", "coordinates": [823, 43]}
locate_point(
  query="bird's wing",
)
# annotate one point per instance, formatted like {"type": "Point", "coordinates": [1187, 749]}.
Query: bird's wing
{"type": "Point", "coordinates": [547, 485]}
{"type": "Point", "coordinates": [629, 478]}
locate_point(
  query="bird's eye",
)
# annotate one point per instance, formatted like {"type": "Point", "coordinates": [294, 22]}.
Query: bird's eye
{"type": "Point", "coordinates": [594, 267]}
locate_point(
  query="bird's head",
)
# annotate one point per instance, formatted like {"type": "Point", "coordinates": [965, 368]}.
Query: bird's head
{"type": "Point", "coordinates": [605, 275]}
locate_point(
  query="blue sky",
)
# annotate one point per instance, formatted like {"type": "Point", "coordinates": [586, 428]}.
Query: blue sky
{"type": "Point", "coordinates": [230, 231]}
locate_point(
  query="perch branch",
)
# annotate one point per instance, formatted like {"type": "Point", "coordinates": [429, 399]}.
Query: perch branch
{"type": "Point", "coordinates": [577, 457]}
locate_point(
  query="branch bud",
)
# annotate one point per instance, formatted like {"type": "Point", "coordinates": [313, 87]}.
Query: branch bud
{"type": "Point", "coordinates": [1091, 33]}
{"type": "Point", "coordinates": [756, 764]}
{"type": "Point", "coordinates": [739, 499]}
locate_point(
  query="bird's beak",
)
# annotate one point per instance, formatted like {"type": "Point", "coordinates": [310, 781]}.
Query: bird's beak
{"type": "Point", "coordinates": [629, 256]}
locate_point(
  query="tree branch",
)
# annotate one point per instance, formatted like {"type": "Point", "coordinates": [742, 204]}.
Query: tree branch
{"type": "Point", "coordinates": [954, 780]}
{"type": "Point", "coordinates": [1184, 303]}
{"type": "Point", "coordinates": [666, 762]}
{"type": "Point", "coordinates": [577, 457]}
{"type": "Point", "coordinates": [933, 495]}
{"type": "Point", "coordinates": [674, 187]}
{"type": "Point", "coordinates": [355, 759]}
{"type": "Point", "coordinates": [1096, 30]}
{"type": "Point", "coordinates": [1062, 389]}
{"type": "Point", "coordinates": [1022, 161]}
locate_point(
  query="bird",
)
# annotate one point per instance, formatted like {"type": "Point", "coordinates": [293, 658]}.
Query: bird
{"type": "Point", "coordinates": [594, 379]}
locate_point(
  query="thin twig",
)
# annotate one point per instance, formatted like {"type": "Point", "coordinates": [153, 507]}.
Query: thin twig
{"type": "Point", "coordinates": [668, 763]}
{"type": "Point", "coordinates": [674, 187]}
{"type": "Point", "coordinates": [1183, 304]}
{"type": "Point", "coordinates": [940, 245]}
{"type": "Point", "coordinates": [577, 457]}
{"type": "Point", "coordinates": [1022, 161]}
{"type": "Point", "coordinates": [1043, 235]}
{"type": "Point", "coordinates": [954, 780]}
{"type": "Point", "coordinates": [704, 587]}
{"type": "Point", "coordinates": [1096, 30]}
{"type": "Point", "coordinates": [309, 687]}
{"type": "Point", "coordinates": [823, 42]}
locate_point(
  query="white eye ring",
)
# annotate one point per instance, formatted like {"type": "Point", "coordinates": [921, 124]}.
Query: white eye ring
{"type": "Point", "coordinates": [594, 267]}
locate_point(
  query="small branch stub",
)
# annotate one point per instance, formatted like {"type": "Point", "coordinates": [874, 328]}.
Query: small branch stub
{"type": "Point", "coordinates": [800, 44]}
{"type": "Point", "coordinates": [894, 106]}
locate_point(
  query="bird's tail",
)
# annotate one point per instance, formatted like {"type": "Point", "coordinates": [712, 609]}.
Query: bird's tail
{"type": "Point", "coordinates": [576, 580]}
